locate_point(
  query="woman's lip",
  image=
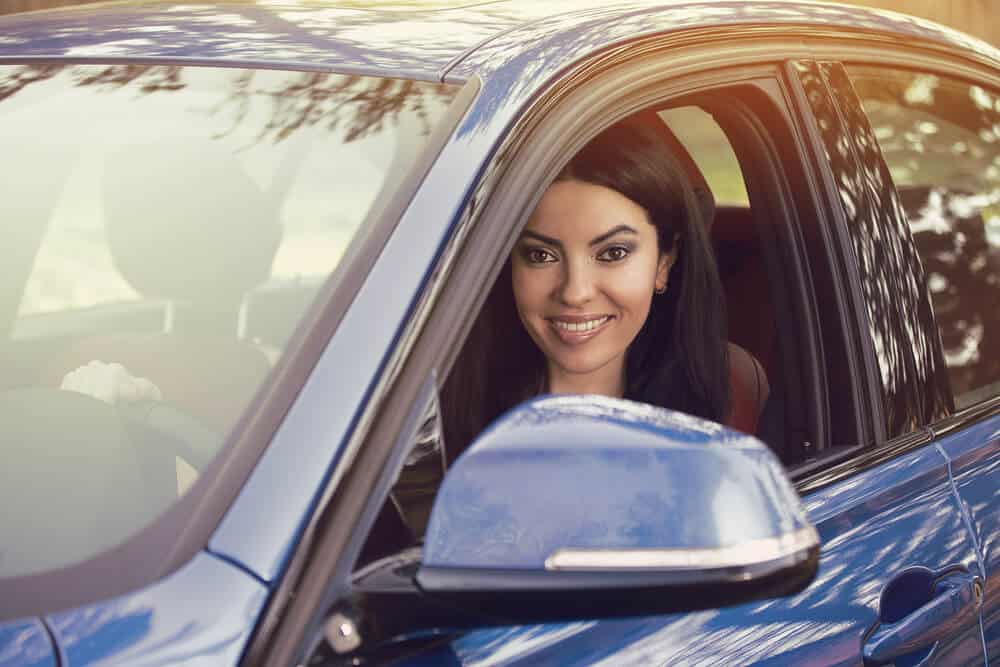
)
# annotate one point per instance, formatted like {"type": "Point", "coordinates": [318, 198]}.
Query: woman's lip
{"type": "Point", "coordinates": [578, 319]}
{"type": "Point", "coordinates": [577, 337]}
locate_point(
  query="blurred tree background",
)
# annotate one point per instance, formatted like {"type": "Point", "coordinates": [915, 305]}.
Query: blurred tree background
{"type": "Point", "coordinates": [971, 16]}
{"type": "Point", "coordinates": [11, 6]}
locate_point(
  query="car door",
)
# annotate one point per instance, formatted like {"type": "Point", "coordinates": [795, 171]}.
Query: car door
{"type": "Point", "coordinates": [896, 547]}
{"type": "Point", "coordinates": [938, 130]}
{"type": "Point", "coordinates": [26, 642]}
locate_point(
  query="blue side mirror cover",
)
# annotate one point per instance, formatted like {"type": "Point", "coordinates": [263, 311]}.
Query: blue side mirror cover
{"type": "Point", "coordinates": [589, 491]}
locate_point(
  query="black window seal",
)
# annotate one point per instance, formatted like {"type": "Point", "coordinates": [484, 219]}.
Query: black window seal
{"type": "Point", "coordinates": [967, 417]}
{"type": "Point", "coordinates": [850, 461]}
{"type": "Point", "coordinates": [763, 146]}
{"type": "Point", "coordinates": [189, 523]}
{"type": "Point", "coordinates": [846, 280]}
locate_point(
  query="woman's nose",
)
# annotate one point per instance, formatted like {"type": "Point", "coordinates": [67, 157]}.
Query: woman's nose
{"type": "Point", "coordinates": [577, 286]}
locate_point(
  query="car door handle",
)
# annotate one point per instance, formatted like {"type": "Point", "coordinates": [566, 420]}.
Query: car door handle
{"type": "Point", "coordinates": [955, 604]}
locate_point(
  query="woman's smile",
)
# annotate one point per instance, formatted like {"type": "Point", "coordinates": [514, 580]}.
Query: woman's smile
{"type": "Point", "coordinates": [578, 329]}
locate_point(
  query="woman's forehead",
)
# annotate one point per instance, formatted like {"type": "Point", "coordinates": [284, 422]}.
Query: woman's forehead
{"type": "Point", "coordinates": [575, 210]}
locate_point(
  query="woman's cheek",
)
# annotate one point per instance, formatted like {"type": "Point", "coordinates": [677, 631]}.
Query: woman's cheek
{"type": "Point", "coordinates": [633, 287]}
{"type": "Point", "coordinates": [530, 289]}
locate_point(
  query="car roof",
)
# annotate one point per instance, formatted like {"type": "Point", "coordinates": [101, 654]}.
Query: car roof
{"type": "Point", "coordinates": [422, 39]}
{"type": "Point", "coordinates": [394, 38]}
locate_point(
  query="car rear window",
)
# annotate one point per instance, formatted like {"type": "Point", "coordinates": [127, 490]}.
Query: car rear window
{"type": "Point", "coordinates": [165, 231]}
{"type": "Point", "coordinates": [941, 141]}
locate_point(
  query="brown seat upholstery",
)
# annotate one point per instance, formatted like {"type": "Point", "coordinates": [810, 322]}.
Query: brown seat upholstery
{"type": "Point", "coordinates": [749, 310]}
{"type": "Point", "coordinates": [748, 390]}
{"type": "Point", "coordinates": [752, 322]}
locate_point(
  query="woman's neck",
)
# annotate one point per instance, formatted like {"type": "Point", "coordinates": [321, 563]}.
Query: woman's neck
{"type": "Point", "coordinates": [606, 381]}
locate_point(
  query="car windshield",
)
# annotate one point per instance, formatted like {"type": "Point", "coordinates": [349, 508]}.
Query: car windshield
{"type": "Point", "coordinates": [165, 230]}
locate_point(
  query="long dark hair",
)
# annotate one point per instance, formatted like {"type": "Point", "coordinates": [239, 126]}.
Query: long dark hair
{"type": "Point", "coordinates": [679, 358]}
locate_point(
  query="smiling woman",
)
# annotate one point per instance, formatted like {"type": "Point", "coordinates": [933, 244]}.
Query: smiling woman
{"type": "Point", "coordinates": [611, 289]}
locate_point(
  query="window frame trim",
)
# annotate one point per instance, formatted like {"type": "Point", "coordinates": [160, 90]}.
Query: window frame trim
{"type": "Point", "coordinates": [847, 278]}
{"type": "Point", "coordinates": [753, 140]}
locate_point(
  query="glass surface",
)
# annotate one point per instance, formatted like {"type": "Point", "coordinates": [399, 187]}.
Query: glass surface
{"type": "Point", "coordinates": [710, 149]}
{"type": "Point", "coordinates": [174, 223]}
{"type": "Point", "coordinates": [941, 141]}
{"type": "Point", "coordinates": [914, 388]}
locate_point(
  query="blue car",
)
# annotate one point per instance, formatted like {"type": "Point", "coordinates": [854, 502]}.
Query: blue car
{"type": "Point", "coordinates": [244, 243]}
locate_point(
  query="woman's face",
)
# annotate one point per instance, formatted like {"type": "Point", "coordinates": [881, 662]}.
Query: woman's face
{"type": "Point", "coordinates": [584, 274]}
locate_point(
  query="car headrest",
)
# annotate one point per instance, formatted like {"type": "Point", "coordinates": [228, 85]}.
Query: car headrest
{"type": "Point", "coordinates": [184, 221]}
{"type": "Point", "coordinates": [706, 200]}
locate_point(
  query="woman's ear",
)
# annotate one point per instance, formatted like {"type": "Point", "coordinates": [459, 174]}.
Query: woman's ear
{"type": "Point", "coordinates": [663, 266]}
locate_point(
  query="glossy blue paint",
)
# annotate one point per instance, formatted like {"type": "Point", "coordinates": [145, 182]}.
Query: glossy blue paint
{"type": "Point", "coordinates": [26, 644]}
{"type": "Point", "coordinates": [540, 48]}
{"type": "Point", "coordinates": [861, 522]}
{"type": "Point", "coordinates": [595, 472]}
{"type": "Point", "coordinates": [406, 42]}
{"type": "Point", "coordinates": [288, 34]}
{"type": "Point", "coordinates": [975, 464]}
{"type": "Point", "coordinates": [203, 614]}
{"type": "Point", "coordinates": [949, 604]}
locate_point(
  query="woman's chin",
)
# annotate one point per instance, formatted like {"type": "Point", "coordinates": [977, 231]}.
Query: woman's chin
{"type": "Point", "coordinates": [581, 370]}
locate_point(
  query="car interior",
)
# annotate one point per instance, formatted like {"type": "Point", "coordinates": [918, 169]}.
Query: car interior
{"type": "Point", "coordinates": [167, 231]}
{"type": "Point", "coordinates": [190, 329]}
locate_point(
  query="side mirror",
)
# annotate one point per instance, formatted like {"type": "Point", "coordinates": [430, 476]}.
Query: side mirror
{"type": "Point", "coordinates": [583, 507]}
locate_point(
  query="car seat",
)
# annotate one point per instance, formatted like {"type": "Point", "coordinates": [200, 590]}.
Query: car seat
{"type": "Point", "coordinates": [186, 224]}
{"type": "Point", "coordinates": [751, 334]}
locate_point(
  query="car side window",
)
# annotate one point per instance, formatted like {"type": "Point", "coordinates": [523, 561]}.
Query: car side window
{"type": "Point", "coordinates": [941, 141]}
{"type": "Point", "coordinates": [896, 340]}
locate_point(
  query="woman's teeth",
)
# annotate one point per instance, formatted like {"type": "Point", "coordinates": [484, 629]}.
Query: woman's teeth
{"type": "Point", "coordinates": [581, 326]}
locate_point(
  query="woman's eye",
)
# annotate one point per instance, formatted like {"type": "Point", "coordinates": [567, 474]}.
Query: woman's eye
{"type": "Point", "coordinates": [539, 255]}
{"type": "Point", "coordinates": [613, 254]}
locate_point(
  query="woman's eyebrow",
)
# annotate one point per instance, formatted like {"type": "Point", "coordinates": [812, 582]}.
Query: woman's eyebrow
{"type": "Point", "coordinates": [616, 230]}
{"type": "Point", "coordinates": [603, 237]}
{"type": "Point", "coordinates": [541, 237]}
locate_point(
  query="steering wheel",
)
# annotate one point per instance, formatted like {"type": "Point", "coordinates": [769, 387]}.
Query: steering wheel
{"type": "Point", "coordinates": [157, 426]}
{"type": "Point", "coordinates": [81, 476]}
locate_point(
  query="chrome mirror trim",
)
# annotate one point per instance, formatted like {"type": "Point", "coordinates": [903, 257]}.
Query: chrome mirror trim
{"type": "Point", "coordinates": [746, 554]}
